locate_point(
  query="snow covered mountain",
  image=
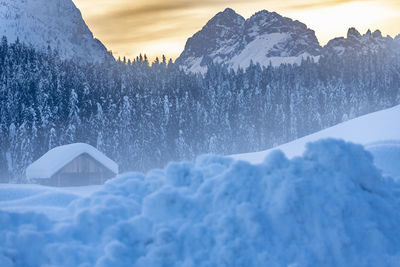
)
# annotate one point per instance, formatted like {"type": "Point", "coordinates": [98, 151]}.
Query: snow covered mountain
{"type": "Point", "coordinates": [269, 38]}
{"type": "Point", "coordinates": [265, 38]}
{"type": "Point", "coordinates": [357, 43]}
{"type": "Point", "coordinates": [55, 23]}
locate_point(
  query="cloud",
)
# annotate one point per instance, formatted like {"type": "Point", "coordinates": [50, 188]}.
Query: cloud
{"type": "Point", "coordinates": [317, 4]}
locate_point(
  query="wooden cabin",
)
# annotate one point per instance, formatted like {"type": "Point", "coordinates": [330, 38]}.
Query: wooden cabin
{"type": "Point", "coordinates": [72, 165]}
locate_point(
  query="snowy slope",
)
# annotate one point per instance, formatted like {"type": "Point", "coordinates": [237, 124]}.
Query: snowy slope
{"type": "Point", "coordinates": [57, 23]}
{"type": "Point", "coordinates": [330, 207]}
{"type": "Point", "coordinates": [41, 199]}
{"type": "Point", "coordinates": [373, 130]}
{"type": "Point", "coordinates": [265, 38]}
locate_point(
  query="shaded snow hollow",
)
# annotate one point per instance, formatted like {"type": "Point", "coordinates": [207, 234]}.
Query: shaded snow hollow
{"type": "Point", "coordinates": [329, 207]}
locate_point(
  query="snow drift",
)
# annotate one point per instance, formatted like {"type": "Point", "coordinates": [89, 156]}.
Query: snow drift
{"type": "Point", "coordinates": [374, 128]}
{"type": "Point", "coordinates": [329, 207]}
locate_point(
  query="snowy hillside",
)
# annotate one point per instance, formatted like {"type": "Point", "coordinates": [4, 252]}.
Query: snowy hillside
{"type": "Point", "coordinates": [265, 38]}
{"type": "Point", "coordinates": [330, 207]}
{"type": "Point", "coordinates": [377, 131]}
{"type": "Point", "coordinates": [55, 23]}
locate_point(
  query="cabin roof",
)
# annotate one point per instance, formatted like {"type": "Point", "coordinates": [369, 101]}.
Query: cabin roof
{"type": "Point", "coordinates": [54, 160]}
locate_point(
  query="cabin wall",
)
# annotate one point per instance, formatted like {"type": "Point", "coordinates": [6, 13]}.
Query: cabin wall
{"type": "Point", "coordinates": [84, 170]}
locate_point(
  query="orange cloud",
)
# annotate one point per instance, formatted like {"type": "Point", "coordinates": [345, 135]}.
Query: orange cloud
{"type": "Point", "coordinates": [318, 4]}
{"type": "Point", "coordinates": [160, 27]}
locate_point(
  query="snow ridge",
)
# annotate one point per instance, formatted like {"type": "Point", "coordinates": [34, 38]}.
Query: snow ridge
{"type": "Point", "coordinates": [376, 131]}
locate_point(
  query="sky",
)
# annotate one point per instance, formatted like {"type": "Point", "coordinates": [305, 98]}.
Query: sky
{"type": "Point", "coordinates": [157, 27]}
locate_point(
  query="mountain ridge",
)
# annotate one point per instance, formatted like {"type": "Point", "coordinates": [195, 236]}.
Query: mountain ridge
{"type": "Point", "coordinates": [355, 42]}
{"type": "Point", "coordinates": [230, 39]}
{"type": "Point", "coordinates": [268, 38]}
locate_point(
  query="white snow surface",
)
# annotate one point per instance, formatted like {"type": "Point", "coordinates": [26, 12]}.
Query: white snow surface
{"type": "Point", "coordinates": [329, 207]}
{"type": "Point", "coordinates": [386, 157]}
{"type": "Point", "coordinates": [330, 203]}
{"type": "Point", "coordinates": [47, 200]}
{"type": "Point", "coordinates": [259, 48]}
{"type": "Point", "coordinates": [375, 128]}
{"type": "Point", "coordinates": [55, 23]}
{"type": "Point", "coordinates": [195, 66]}
{"type": "Point", "coordinates": [51, 162]}
{"type": "Point", "coordinates": [256, 52]}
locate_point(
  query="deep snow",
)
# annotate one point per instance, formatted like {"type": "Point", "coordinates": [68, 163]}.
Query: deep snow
{"type": "Point", "coordinates": [329, 207]}
{"type": "Point", "coordinates": [47, 200]}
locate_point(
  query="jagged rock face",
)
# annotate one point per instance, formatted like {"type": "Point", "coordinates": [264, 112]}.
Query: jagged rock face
{"type": "Point", "coordinates": [397, 41]}
{"type": "Point", "coordinates": [357, 43]}
{"type": "Point", "coordinates": [55, 23]}
{"type": "Point", "coordinates": [221, 32]}
{"type": "Point", "coordinates": [298, 38]}
{"type": "Point", "coordinates": [265, 38]}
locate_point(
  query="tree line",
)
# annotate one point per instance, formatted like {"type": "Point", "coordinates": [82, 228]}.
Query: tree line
{"type": "Point", "coordinates": [144, 115]}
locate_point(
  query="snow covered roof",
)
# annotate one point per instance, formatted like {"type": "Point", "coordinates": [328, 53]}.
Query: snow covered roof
{"type": "Point", "coordinates": [58, 157]}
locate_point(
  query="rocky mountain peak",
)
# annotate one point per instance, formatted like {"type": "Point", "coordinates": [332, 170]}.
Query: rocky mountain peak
{"type": "Point", "coordinates": [377, 34]}
{"type": "Point", "coordinates": [353, 33]}
{"type": "Point", "coordinates": [265, 38]}
{"type": "Point", "coordinates": [357, 43]}
{"type": "Point", "coordinates": [228, 18]}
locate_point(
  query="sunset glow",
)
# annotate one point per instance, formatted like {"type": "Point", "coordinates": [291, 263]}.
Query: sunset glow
{"type": "Point", "coordinates": [156, 27]}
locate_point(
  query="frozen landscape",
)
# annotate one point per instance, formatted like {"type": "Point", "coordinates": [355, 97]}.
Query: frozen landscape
{"type": "Point", "coordinates": [326, 205]}
{"type": "Point", "coordinates": [379, 132]}
{"type": "Point", "coordinates": [71, 114]}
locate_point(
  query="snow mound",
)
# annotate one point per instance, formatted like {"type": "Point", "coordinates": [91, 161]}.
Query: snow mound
{"type": "Point", "coordinates": [47, 200]}
{"type": "Point", "coordinates": [387, 157]}
{"type": "Point", "coordinates": [329, 207]}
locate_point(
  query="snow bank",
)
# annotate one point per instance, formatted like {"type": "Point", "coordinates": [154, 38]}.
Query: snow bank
{"type": "Point", "coordinates": [375, 127]}
{"type": "Point", "coordinates": [386, 157]}
{"type": "Point", "coordinates": [49, 201]}
{"type": "Point", "coordinates": [330, 207]}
